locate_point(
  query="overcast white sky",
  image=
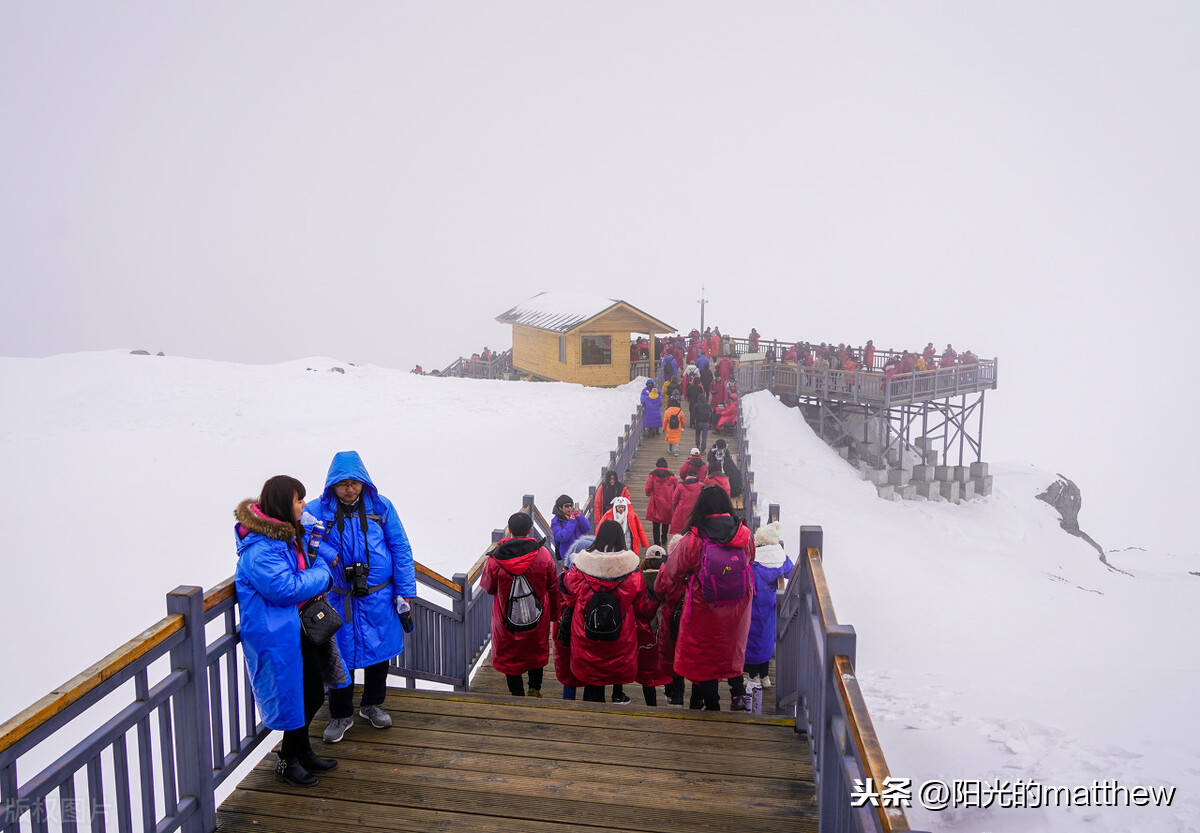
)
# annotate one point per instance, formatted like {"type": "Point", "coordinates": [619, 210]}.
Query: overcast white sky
{"type": "Point", "coordinates": [376, 181]}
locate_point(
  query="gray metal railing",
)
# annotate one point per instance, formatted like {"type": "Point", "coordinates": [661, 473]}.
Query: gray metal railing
{"type": "Point", "coordinates": [861, 387]}
{"type": "Point", "coordinates": [619, 460]}
{"type": "Point", "coordinates": [475, 368]}
{"type": "Point", "coordinates": [815, 680]}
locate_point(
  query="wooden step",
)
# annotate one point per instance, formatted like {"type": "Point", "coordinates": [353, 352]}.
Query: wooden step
{"type": "Point", "coordinates": [464, 761]}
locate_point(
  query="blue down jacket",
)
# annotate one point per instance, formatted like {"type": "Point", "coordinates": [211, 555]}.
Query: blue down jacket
{"type": "Point", "coordinates": [769, 564]}
{"type": "Point", "coordinates": [566, 530]}
{"type": "Point", "coordinates": [652, 413]}
{"type": "Point", "coordinates": [270, 588]}
{"type": "Point", "coordinates": [372, 632]}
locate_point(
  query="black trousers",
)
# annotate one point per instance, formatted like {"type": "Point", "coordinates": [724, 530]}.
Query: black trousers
{"type": "Point", "coordinates": [516, 685]}
{"type": "Point", "coordinates": [650, 694]}
{"type": "Point", "coordinates": [595, 693]}
{"type": "Point", "coordinates": [660, 533]}
{"type": "Point", "coordinates": [758, 669]}
{"type": "Point", "coordinates": [296, 741]}
{"type": "Point", "coordinates": [705, 695]}
{"type": "Point", "coordinates": [674, 688]}
{"type": "Point", "coordinates": [701, 437]}
{"type": "Point", "coordinates": [341, 700]}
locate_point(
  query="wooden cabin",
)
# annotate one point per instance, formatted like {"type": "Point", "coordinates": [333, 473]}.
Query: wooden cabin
{"type": "Point", "coordinates": [578, 338]}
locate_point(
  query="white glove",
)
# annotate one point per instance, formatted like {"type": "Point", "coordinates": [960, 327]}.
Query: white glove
{"type": "Point", "coordinates": [402, 605]}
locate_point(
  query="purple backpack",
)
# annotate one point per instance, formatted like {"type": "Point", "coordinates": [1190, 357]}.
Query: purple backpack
{"type": "Point", "coordinates": [724, 574]}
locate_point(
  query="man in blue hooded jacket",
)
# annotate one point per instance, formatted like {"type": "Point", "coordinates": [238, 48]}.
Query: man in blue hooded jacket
{"type": "Point", "coordinates": [369, 556]}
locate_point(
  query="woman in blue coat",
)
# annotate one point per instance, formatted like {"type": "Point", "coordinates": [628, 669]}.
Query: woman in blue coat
{"type": "Point", "coordinates": [770, 563]}
{"type": "Point", "coordinates": [568, 524]}
{"type": "Point", "coordinates": [651, 409]}
{"type": "Point", "coordinates": [367, 552]}
{"type": "Point", "coordinates": [273, 579]}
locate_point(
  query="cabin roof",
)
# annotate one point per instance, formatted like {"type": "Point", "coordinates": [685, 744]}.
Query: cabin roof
{"type": "Point", "coordinates": [561, 312]}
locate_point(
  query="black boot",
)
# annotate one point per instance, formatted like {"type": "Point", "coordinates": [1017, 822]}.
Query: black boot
{"type": "Point", "coordinates": [314, 764]}
{"type": "Point", "coordinates": [293, 772]}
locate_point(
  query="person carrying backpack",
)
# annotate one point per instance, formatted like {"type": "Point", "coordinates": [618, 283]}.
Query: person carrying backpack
{"type": "Point", "coordinates": [702, 414]}
{"type": "Point", "coordinates": [608, 595]}
{"type": "Point", "coordinates": [710, 574]}
{"type": "Point", "coordinates": [673, 424]}
{"type": "Point", "coordinates": [660, 488]}
{"type": "Point", "coordinates": [521, 577]}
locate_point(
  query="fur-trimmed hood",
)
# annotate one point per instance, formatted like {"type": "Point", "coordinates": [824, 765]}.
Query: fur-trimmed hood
{"type": "Point", "coordinates": [607, 565]}
{"type": "Point", "coordinates": [251, 519]}
{"type": "Point", "coordinates": [769, 555]}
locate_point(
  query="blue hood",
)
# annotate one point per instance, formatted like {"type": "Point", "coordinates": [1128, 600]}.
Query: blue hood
{"type": "Point", "coordinates": [347, 465]}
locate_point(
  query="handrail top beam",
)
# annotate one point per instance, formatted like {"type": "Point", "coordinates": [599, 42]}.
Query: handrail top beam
{"type": "Point", "coordinates": [27, 720]}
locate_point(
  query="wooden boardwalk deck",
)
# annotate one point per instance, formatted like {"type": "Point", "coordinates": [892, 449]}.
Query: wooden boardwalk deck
{"type": "Point", "coordinates": [498, 764]}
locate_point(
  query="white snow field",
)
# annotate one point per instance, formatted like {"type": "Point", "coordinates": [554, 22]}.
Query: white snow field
{"type": "Point", "coordinates": [992, 645]}
{"type": "Point", "coordinates": [122, 472]}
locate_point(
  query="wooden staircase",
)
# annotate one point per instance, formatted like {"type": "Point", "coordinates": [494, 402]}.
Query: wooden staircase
{"type": "Point", "coordinates": [481, 762]}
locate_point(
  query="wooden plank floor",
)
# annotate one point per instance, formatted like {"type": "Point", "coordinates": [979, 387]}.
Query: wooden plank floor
{"type": "Point", "coordinates": [481, 762]}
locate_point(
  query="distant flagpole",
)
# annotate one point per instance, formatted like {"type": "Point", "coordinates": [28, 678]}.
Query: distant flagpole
{"type": "Point", "coordinates": [702, 302]}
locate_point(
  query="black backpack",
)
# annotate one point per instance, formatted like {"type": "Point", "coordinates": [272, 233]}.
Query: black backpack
{"type": "Point", "coordinates": [673, 421]}
{"type": "Point", "coordinates": [602, 617]}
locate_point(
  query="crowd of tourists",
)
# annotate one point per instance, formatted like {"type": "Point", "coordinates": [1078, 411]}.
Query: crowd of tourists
{"type": "Point", "coordinates": [708, 616]}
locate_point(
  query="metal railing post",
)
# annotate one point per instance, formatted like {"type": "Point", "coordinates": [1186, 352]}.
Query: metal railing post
{"type": "Point", "coordinates": [193, 723]}
{"type": "Point", "coordinates": [464, 631]}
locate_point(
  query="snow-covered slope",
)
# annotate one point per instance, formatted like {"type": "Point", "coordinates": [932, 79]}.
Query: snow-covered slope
{"type": "Point", "coordinates": [993, 645]}
{"type": "Point", "coordinates": [121, 473]}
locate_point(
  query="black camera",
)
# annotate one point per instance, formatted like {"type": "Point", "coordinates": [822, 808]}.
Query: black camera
{"type": "Point", "coordinates": [356, 576]}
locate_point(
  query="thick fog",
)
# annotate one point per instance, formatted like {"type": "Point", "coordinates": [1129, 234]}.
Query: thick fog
{"type": "Point", "coordinates": [376, 181]}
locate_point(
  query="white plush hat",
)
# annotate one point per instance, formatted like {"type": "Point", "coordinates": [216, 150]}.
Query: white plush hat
{"type": "Point", "coordinates": [621, 500]}
{"type": "Point", "coordinates": [767, 534]}
{"type": "Point", "coordinates": [694, 452]}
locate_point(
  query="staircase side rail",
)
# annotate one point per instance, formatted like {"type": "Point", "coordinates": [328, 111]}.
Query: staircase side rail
{"type": "Point", "coordinates": [814, 658]}
{"type": "Point", "coordinates": [619, 460]}
{"type": "Point", "coordinates": [176, 698]}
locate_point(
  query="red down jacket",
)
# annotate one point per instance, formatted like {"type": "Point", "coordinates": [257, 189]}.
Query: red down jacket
{"type": "Point", "coordinates": [660, 487]}
{"type": "Point", "coordinates": [515, 652]}
{"type": "Point", "coordinates": [686, 494]}
{"type": "Point", "coordinates": [594, 662]}
{"type": "Point", "coordinates": [712, 640]}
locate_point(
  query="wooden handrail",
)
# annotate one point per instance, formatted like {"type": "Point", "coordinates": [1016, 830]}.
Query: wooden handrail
{"type": "Point", "coordinates": [25, 721]}
{"type": "Point", "coordinates": [870, 752]}
{"type": "Point", "coordinates": [438, 577]}
{"type": "Point", "coordinates": [824, 599]}
{"type": "Point", "coordinates": [219, 593]}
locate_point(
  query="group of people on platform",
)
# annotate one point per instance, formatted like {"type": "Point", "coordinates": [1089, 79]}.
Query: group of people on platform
{"type": "Point", "coordinates": [850, 359]}
{"type": "Point", "coordinates": [708, 616]}
{"type": "Point", "coordinates": [344, 552]}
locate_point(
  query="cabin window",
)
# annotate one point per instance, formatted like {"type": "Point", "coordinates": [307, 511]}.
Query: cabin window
{"type": "Point", "coordinates": [595, 349]}
{"type": "Point", "coordinates": [562, 348]}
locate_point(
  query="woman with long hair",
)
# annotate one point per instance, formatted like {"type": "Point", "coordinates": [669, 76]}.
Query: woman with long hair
{"type": "Point", "coordinates": [709, 573]}
{"type": "Point", "coordinates": [274, 579]}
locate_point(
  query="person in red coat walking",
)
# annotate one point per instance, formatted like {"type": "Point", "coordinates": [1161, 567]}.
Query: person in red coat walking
{"type": "Point", "coordinates": [521, 577]}
{"type": "Point", "coordinates": [694, 464]}
{"type": "Point", "coordinates": [725, 369]}
{"type": "Point", "coordinates": [610, 488]}
{"type": "Point", "coordinates": [660, 488]}
{"type": "Point", "coordinates": [710, 573]}
{"type": "Point", "coordinates": [686, 494]}
{"type": "Point", "coordinates": [623, 514]}
{"type": "Point", "coordinates": [605, 589]}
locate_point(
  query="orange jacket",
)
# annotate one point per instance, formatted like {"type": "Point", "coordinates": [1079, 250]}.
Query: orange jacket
{"type": "Point", "coordinates": [673, 434]}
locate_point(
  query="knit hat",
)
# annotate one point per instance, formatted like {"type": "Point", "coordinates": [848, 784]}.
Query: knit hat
{"type": "Point", "coordinates": [661, 462]}
{"type": "Point", "coordinates": [767, 534]}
